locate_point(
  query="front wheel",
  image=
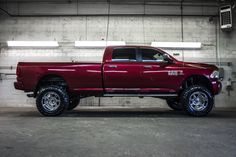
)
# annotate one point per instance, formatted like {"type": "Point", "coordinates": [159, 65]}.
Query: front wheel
{"type": "Point", "coordinates": [52, 100]}
{"type": "Point", "coordinates": [197, 100]}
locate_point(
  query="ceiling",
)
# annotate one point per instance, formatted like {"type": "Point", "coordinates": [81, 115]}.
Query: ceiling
{"type": "Point", "coordinates": [111, 1]}
{"type": "Point", "coordinates": [102, 7]}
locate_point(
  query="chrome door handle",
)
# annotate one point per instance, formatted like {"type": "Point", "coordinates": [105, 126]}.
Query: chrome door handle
{"type": "Point", "coordinates": [112, 66]}
{"type": "Point", "coordinates": [147, 66]}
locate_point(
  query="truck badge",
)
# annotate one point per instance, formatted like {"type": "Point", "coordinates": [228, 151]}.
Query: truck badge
{"type": "Point", "coordinates": [175, 72]}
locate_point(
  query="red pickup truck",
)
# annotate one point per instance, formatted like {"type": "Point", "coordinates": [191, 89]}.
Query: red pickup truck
{"type": "Point", "coordinates": [137, 71]}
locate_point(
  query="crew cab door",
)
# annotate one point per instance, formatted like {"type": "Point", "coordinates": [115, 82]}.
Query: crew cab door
{"type": "Point", "coordinates": [122, 73]}
{"type": "Point", "coordinates": [154, 71]}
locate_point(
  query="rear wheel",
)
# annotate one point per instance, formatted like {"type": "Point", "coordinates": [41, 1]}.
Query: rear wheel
{"type": "Point", "coordinates": [197, 100]}
{"type": "Point", "coordinates": [52, 100]}
{"type": "Point", "coordinates": [174, 104]}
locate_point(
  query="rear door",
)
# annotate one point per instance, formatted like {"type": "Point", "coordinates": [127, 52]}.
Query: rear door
{"type": "Point", "coordinates": [122, 74]}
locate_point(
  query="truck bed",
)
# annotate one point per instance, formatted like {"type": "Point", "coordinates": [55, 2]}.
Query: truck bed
{"type": "Point", "coordinates": [80, 76]}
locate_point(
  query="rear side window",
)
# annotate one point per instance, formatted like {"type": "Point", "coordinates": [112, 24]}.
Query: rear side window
{"type": "Point", "coordinates": [124, 54]}
{"type": "Point", "coordinates": [151, 55]}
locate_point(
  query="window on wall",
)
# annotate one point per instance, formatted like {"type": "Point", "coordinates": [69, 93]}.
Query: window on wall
{"type": "Point", "coordinates": [124, 54]}
{"type": "Point", "coordinates": [151, 55]}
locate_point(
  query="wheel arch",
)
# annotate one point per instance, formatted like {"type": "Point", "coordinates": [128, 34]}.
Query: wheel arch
{"type": "Point", "coordinates": [50, 79]}
{"type": "Point", "coordinates": [197, 80]}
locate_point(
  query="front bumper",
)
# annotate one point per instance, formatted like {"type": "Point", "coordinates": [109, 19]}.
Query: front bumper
{"type": "Point", "coordinates": [18, 85]}
{"type": "Point", "coordinates": [217, 87]}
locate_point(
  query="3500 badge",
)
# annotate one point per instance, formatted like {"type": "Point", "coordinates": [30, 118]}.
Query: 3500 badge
{"type": "Point", "coordinates": [175, 72]}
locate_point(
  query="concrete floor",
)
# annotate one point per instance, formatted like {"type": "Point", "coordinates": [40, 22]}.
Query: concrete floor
{"type": "Point", "coordinates": [116, 133]}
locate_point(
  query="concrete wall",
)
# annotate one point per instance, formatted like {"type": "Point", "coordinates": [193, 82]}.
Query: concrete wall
{"type": "Point", "coordinates": [132, 29]}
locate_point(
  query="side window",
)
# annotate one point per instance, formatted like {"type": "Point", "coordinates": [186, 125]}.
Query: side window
{"type": "Point", "coordinates": [124, 54]}
{"type": "Point", "coordinates": [151, 55]}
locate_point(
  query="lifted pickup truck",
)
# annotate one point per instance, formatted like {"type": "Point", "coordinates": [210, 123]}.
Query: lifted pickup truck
{"type": "Point", "coordinates": [138, 71]}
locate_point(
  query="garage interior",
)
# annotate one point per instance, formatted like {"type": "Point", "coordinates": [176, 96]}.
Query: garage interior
{"type": "Point", "coordinates": [124, 126]}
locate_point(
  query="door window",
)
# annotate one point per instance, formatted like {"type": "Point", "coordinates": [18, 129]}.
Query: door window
{"type": "Point", "coordinates": [124, 54]}
{"type": "Point", "coordinates": [151, 55]}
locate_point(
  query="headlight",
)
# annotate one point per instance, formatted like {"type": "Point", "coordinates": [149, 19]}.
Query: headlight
{"type": "Point", "coordinates": [215, 74]}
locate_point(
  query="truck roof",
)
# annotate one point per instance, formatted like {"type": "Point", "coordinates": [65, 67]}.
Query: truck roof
{"type": "Point", "coordinates": [117, 46]}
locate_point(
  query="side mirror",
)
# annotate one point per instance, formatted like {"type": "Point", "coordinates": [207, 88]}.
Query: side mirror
{"type": "Point", "coordinates": [166, 58]}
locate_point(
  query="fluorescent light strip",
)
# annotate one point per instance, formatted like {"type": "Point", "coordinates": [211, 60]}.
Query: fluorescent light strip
{"type": "Point", "coordinates": [32, 43]}
{"type": "Point", "coordinates": [177, 45]}
{"type": "Point", "coordinates": [98, 43]}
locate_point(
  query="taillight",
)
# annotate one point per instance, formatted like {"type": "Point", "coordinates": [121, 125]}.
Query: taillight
{"type": "Point", "coordinates": [18, 72]}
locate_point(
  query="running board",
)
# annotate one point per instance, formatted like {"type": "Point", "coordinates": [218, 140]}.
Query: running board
{"type": "Point", "coordinates": [140, 95]}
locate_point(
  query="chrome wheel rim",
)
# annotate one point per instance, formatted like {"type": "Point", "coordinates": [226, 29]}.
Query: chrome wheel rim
{"type": "Point", "coordinates": [198, 101]}
{"type": "Point", "coordinates": [51, 101]}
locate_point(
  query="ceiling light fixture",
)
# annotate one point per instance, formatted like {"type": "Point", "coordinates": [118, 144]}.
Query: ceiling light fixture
{"type": "Point", "coordinates": [177, 45]}
{"type": "Point", "coordinates": [32, 43]}
{"type": "Point", "coordinates": [97, 44]}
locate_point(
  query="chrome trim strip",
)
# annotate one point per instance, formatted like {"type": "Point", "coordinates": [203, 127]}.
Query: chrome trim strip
{"type": "Point", "coordinates": [140, 95]}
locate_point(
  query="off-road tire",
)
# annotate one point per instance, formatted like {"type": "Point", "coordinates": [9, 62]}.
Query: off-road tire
{"type": "Point", "coordinates": [185, 100]}
{"type": "Point", "coordinates": [62, 96]}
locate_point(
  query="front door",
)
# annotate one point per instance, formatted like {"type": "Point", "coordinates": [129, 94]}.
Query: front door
{"type": "Point", "coordinates": [154, 71]}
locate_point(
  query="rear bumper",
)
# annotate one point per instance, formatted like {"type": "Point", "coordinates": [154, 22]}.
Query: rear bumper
{"type": "Point", "coordinates": [18, 85]}
{"type": "Point", "coordinates": [217, 87]}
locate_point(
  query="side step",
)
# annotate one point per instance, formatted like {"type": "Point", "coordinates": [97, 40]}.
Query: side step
{"type": "Point", "coordinates": [141, 95]}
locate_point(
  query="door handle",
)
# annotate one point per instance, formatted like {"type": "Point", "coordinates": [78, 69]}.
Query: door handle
{"type": "Point", "coordinates": [112, 66]}
{"type": "Point", "coordinates": [147, 66]}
